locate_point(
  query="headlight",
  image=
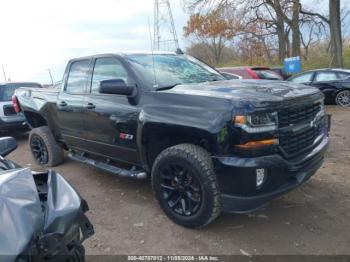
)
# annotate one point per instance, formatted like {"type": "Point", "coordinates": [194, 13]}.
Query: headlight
{"type": "Point", "coordinates": [257, 123]}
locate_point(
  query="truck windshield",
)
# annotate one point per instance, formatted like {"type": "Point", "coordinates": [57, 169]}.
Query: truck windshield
{"type": "Point", "coordinates": [7, 90]}
{"type": "Point", "coordinates": [161, 71]}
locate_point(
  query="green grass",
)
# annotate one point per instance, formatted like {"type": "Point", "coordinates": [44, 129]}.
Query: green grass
{"type": "Point", "coordinates": [318, 58]}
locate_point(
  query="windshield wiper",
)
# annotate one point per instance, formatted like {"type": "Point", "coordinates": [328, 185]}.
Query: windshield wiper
{"type": "Point", "coordinates": [167, 87]}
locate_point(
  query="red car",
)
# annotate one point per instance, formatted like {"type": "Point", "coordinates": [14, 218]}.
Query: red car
{"type": "Point", "coordinates": [252, 72]}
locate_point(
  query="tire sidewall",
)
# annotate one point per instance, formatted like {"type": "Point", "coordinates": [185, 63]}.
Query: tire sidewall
{"type": "Point", "coordinates": [31, 149]}
{"type": "Point", "coordinates": [54, 151]}
{"type": "Point", "coordinates": [203, 214]}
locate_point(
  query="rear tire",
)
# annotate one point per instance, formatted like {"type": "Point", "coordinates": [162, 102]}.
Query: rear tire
{"type": "Point", "coordinates": [185, 185]}
{"type": "Point", "coordinates": [343, 98]}
{"type": "Point", "coordinates": [44, 148]}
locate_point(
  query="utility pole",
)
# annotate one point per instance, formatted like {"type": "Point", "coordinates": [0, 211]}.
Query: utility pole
{"type": "Point", "coordinates": [165, 36]}
{"type": "Point", "coordinates": [49, 70]}
{"type": "Point", "coordinates": [3, 72]}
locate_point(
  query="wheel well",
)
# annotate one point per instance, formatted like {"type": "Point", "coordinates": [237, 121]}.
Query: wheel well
{"type": "Point", "coordinates": [157, 141]}
{"type": "Point", "coordinates": [34, 119]}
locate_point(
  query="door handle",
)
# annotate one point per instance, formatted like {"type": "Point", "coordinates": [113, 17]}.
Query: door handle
{"type": "Point", "coordinates": [62, 103]}
{"type": "Point", "coordinates": [90, 106]}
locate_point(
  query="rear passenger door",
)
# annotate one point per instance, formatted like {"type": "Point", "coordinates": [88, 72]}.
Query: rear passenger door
{"type": "Point", "coordinates": [69, 105]}
{"type": "Point", "coordinates": [110, 120]}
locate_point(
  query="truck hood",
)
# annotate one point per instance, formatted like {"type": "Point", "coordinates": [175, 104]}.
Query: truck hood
{"type": "Point", "coordinates": [252, 91]}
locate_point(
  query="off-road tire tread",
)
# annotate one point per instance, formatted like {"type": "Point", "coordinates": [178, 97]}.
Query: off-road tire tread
{"type": "Point", "coordinates": [200, 157]}
{"type": "Point", "coordinates": [55, 152]}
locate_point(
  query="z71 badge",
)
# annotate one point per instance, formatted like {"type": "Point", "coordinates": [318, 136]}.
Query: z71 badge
{"type": "Point", "coordinates": [126, 136]}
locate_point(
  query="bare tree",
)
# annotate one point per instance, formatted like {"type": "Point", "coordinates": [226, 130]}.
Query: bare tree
{"type": "Point", "coordinates": [335, 28]}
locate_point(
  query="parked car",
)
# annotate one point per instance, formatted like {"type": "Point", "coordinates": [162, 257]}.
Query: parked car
{"type": "Point", "coordinates": [281, 72]}
{"type": "Point", "coordinates": [37, 221]}
{"type": "Point", "coordinates": [9, 119]}
{"type": "Point", "coordinates": [230, 76]}
{"type": "Point", "coordinates": [334, 84]}
{"type": "Point", "coordinates": [252, 72]}
{"type": "Point", "coordinates": [208, 144]}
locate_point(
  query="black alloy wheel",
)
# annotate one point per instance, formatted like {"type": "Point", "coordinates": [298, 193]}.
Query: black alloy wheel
{"type": "Point", "coordinates": [180, 189]}
{"type": "Point", "coordinates": [185, 185]}
{"type": "Point", "coordinates": [39, 150]}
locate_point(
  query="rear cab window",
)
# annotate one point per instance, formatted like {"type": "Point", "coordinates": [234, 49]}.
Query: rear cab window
{"type": "Point", "coordinates": [8, 90]}
{"type": "Point", "coordinates": [6, 93]}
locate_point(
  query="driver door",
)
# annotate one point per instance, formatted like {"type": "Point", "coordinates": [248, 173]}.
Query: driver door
{"type": "Point", "coordinates": [110, 121]}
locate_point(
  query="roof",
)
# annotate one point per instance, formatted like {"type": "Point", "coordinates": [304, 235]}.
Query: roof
{"type": "Point", "coordinates": [251, 67]}
{"type": "Point", "coordinates": [125, 53]}
{"type": "Point", "coordinates": [330, 69]}
{"type": "Point", "coordinates": [19, 83]}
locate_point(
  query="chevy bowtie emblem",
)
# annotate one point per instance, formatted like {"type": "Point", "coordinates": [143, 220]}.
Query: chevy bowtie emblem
{"type": "Point", "coordinates": [313, 123]}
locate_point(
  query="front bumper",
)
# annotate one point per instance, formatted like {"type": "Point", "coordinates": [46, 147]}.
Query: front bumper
{"type": "Point", "coordinates": [237, 177]}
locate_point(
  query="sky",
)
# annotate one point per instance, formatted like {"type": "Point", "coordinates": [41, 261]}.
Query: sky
{"type": "Point", "coordinates": [42, 34]}
{"type": "Point", "coordinates": [38, 35]}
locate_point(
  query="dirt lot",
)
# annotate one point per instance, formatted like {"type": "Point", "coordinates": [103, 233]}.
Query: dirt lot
{"type": "Point", "coordinates": [313, 219]}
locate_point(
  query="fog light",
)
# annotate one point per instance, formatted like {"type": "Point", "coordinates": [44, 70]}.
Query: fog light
{"type": "Point", "coordinates": [260, 176]}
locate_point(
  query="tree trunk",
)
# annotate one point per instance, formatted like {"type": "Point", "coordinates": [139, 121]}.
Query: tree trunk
{"type": "Point", "coordinates": [281, 39]}
{"type": "Point", "coordinates": [336, 36]}
{"type": "Point", "coordinates": [296, 50]}
{"type": "Point", "coordinates": [287, 42]}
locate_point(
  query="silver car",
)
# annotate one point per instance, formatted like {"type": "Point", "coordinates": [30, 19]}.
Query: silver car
{"type": "Point", "coordinates": [9, 119]}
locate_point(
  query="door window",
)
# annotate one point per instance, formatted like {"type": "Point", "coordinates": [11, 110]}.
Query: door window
{"type": "Point", "coordinates": [325, 76]}
{"type": "Point", "coordinates": [303, 78]}
{"type": "Point", "coordinates": [77, 77]}
{"type": "Point", "coordinates": [342, 75]}
{"type": "Point", "coordinates": [106, 69]}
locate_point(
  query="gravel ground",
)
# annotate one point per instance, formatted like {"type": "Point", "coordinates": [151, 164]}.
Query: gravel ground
{"type": "Point", "coordinates": [313, 219]}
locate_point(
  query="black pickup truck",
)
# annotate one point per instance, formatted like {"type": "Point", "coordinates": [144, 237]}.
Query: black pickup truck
{"type": "Point", "coordinates": [208, 144]}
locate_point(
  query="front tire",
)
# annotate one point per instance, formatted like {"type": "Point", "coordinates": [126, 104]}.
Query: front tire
{"type": "Point", "coordinates": [44, 148]}
{"type": "Point", "coordinates": [185, 185]}
{"type": "Point", "coordinates": [343, 98]}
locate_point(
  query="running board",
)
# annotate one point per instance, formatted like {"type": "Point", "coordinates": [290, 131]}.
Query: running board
{"type": "Point", "coordinates": [135, 174]}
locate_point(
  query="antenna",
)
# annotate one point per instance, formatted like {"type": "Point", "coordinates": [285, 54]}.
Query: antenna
{"type": "Point", "coordinates": [165, 36]}
{"type": "Point", "coordinates": [49, 70]}
{"type": "Point", "coordinates": [150, 37]}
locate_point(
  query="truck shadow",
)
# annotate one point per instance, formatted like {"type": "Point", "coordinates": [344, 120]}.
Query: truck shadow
{"type": "Point", "coordinates": [19, 135]}
{"type": "Point", "coordinates": [306, 211]}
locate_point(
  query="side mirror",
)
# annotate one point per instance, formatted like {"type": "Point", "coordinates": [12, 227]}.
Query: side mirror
{"type": "Point", "coordinates": [116, 87]}
{"type": "Point", "coordinates": [7, 145]}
